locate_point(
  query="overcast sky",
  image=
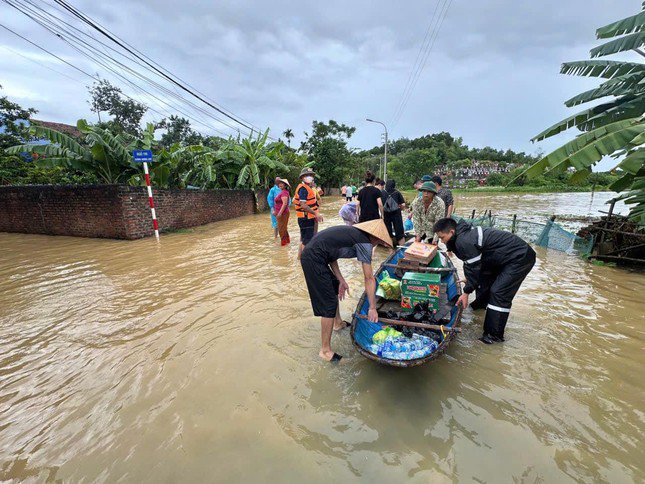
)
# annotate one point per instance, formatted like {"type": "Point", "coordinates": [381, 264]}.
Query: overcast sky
{"type": "Point", "coordinates": [491, 78]}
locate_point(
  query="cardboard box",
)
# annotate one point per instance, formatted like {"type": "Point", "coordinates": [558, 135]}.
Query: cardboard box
{"type": "Point", "coordinates": [419, 251]}
{"type": "Point", "coordinates": [408, 303]}
{"type": "Point", "coordinates": [419, 287]}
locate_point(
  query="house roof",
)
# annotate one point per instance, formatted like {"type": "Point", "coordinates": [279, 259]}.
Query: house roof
{"type": "Point", "coordinates": [61, 127]}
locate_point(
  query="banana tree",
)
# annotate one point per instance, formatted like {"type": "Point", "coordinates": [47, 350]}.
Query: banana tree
{"type": "Point", "coordinates": [258, 161]}
{"type": "Point", "coordinates": [102, 153]}
{"type": "Point", "coordinates": [615, 127]}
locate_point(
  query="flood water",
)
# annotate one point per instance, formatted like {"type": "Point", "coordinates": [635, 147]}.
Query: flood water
{"type": "Point", "coordinates": [196, 359]}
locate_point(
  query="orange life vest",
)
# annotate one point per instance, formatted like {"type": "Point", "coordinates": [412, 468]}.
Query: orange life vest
{"type": "Point", "coordinates": [311, 201]}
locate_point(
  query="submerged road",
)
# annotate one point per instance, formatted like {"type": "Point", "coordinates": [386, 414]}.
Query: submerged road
{"type": "Point", "coordinates": [196, 360]}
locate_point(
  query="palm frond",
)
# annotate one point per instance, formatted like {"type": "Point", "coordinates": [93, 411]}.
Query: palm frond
{"type": "Point", "coordinates": [56, 137]}
{"type": "Point", "coordinates": [622, 44]}
{"type": "Point", "coordinates": [588, 148]}
{"type": "Point", "coordinates": [618, 86]}
{"type": "Point", "coordinates": [628, 25]}
{"type": "Point", "coordinates": [607, 69]}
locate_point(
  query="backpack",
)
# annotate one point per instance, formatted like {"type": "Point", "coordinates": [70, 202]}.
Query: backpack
{"type": "Point", "coordinates": [390, 204]}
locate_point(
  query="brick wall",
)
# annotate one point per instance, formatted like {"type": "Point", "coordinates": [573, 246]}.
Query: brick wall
{"type": "Point", "coordinates": [116, 211]}
{"type": "Point", "coordinates": [261, 196]}
{"type": "Point", "coordinates": [84, 211]}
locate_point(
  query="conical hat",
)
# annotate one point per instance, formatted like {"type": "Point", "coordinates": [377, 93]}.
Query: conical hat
{"type": "Point", "coordinates": [376, 228]}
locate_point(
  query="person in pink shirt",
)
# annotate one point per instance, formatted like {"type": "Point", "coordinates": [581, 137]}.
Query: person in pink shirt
{"type": "Point", "coordinates": [281, 207]}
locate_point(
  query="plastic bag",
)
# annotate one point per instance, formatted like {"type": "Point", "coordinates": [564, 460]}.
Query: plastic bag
{"type": "Point", "coordinates": [408, 225]}
{"type": "Point", "coordinates": [388, 287]}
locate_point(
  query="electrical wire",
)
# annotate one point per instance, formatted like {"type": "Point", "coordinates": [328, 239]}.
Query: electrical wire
{"type": "Point", "coordinates": [96, 78]}
{"type": "Point", "coordinates": [168, 76]}
{"type": "Point", "coordinates": [82, 47]}
{"type": "Point", "coordinates": [443, 11]}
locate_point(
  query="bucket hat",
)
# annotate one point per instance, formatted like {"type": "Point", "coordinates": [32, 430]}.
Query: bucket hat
{"type": "Point", "coordinates": [306, 171]}
{"type": "Point", "coordinates": [377, 229]}
{"type": "Point", "coordinates": [428, 187]}
{"type": "Point", "coordinates": [426, 178]}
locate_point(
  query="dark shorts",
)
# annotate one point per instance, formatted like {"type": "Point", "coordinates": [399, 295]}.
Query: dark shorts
{"type": "Point", "coordinates": [322, 286]}
{"type": "Point", "coordinates": [307, 226]}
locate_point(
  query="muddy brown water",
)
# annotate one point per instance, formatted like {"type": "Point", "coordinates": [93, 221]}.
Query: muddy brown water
{"type": "Point", "coordinates": [196, 360]}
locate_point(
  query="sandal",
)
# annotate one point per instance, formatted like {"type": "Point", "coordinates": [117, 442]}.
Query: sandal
{"type": "Point", "coordinates": [347, 325]}
{"type": "Point", "coordinates": [336, 358]}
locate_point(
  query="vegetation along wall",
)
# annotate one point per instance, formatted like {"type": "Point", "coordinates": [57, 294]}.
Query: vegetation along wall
{"type": "Point", "coordinates": [116, 211]}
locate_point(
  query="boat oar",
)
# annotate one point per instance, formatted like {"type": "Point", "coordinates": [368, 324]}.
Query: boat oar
{"type": "Point", "coordinates": [411, 324]}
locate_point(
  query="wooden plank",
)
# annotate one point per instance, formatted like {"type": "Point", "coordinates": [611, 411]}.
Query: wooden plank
{"type": "Point", "coordinates": [411, 324]}
{"type": "Point", "coordinates": [617, 258]}
{"type": "Point", "coordinates": [423, 269]}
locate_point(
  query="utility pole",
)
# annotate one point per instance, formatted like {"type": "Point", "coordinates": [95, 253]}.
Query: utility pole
{"type": "Point", "coordinates": [385, 156]}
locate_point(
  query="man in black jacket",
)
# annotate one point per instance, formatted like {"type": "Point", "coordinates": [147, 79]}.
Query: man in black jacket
{"type": "Point", "coordinates": [495, 265]}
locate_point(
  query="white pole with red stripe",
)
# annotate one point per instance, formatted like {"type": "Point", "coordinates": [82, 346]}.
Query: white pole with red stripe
{"type": "Point", "coordinates": [155, 224]}
{"type": "Point", "coordinates": [144, 156]}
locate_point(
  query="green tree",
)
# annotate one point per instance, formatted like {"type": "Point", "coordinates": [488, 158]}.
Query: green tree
{"type": "Point", "coordinates": [102, 154]}
{"type": "Point", "coordinates": [14, 122]}
{"type": "Point", "coordinates": [611, 128]}
{"type": "Point", "coordinates": [126, 113]}
{"type": "Point", "coordinates": [259, 161]}
{"type": "Point", "coordinates": [288, 134]}
{"type": "Point", "coordinates": [178, 130]}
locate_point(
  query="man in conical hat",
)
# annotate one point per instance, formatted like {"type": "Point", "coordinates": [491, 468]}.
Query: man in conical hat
{"type": "Point", "coordinates": [325, 283]}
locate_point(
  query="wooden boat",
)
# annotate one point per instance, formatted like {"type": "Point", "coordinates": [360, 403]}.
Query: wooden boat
{"type": "Point", "coordinates": [362, 329]}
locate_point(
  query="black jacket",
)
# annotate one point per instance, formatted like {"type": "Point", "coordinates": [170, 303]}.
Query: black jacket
{"type": "Point", "coordinates": [485, 249]}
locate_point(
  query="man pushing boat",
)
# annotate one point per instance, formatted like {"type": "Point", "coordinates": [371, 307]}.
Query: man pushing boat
{"type": "Point", "coordinates": [495, 265]}
{"type": "Point", "coordinates": [326, 284]}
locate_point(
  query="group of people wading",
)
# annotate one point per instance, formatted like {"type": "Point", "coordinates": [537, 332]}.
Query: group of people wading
{"type": "Point", "coordinates": [495, 262]}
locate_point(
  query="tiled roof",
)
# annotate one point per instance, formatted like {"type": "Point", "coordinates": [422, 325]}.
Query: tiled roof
{"type": "Point", "coordinates": [67, 129]}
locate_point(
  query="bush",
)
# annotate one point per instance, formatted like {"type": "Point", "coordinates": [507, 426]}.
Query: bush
{"type": "Point", "coordinates": [15, 171]}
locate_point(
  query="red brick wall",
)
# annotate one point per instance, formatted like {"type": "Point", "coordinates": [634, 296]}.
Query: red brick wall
{"type": "Point", "coordinates": [113, 211]}
{"type": "Point", "coordinates": [84, 211]}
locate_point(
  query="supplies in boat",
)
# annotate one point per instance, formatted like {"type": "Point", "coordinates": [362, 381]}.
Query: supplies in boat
{"type": "Point", "coordinates": [419, 287]}
{"type": "Point", "coordinates": [419, 251]}
{"type": "Point", "coordinates": [388, 287]}
{"type": "Point", "coordinates": [389, 343]}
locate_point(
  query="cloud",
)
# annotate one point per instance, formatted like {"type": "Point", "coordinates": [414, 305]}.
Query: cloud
{"type": "Point", "coordinates": [491, 78]}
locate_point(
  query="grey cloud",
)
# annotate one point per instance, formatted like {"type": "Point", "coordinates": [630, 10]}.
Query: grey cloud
{"type": "Point", "coordinates": [492, 77]}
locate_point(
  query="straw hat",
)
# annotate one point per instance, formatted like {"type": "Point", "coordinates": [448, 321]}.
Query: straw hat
{"type": "Point", "coordinates": [307, 171]}
{"type": "Point", "coordinates": [428, 187]}
{"type": "Point", "coordinates": [285, 181]}
{"type": "Point", "coordinates": [377, 229]}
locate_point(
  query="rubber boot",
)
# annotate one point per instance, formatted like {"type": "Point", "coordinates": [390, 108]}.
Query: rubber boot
{"type": "Point", "coordinates": [494, 325]}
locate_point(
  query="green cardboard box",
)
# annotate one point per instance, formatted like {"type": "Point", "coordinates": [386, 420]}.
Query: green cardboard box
{"type": "Point", "coordinates": [419, 287]}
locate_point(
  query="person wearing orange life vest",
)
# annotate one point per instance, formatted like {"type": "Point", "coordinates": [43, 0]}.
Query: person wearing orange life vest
{"type": "Point", "coordinates": [306, 205]}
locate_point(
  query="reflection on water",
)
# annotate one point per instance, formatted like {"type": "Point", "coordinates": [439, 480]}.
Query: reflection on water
{"type": "Point", "coordinates": [196, 359]}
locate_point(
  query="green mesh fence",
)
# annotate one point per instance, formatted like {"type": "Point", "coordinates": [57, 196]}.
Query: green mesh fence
{"type": "Point", "coordinates": [550, 234]}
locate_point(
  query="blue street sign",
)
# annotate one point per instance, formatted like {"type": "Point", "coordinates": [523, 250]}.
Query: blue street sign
{"type": "Point", "coordinates": [141, 156]}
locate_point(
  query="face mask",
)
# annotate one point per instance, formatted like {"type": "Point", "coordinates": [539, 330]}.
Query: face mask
{"type": "Point", "coordinates": [309, 179]}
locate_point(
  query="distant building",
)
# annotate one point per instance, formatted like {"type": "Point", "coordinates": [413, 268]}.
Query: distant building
{"type": "Point", "coordinates": [67, 129]}
{"type": "Point", "coordinates": [477, 171]}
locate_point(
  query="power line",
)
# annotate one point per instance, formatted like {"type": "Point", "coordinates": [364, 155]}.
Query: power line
{"type": "Point", "coordinates": [96, 78]}
{"type": "Point", "coordinates": [79, 47]}
{"type": "Point", "coordinates": [421, 66]}
{"type": "Point", "coordinates": [417, 60]}
{"type": "Point", "coordinates": [170, 77]}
